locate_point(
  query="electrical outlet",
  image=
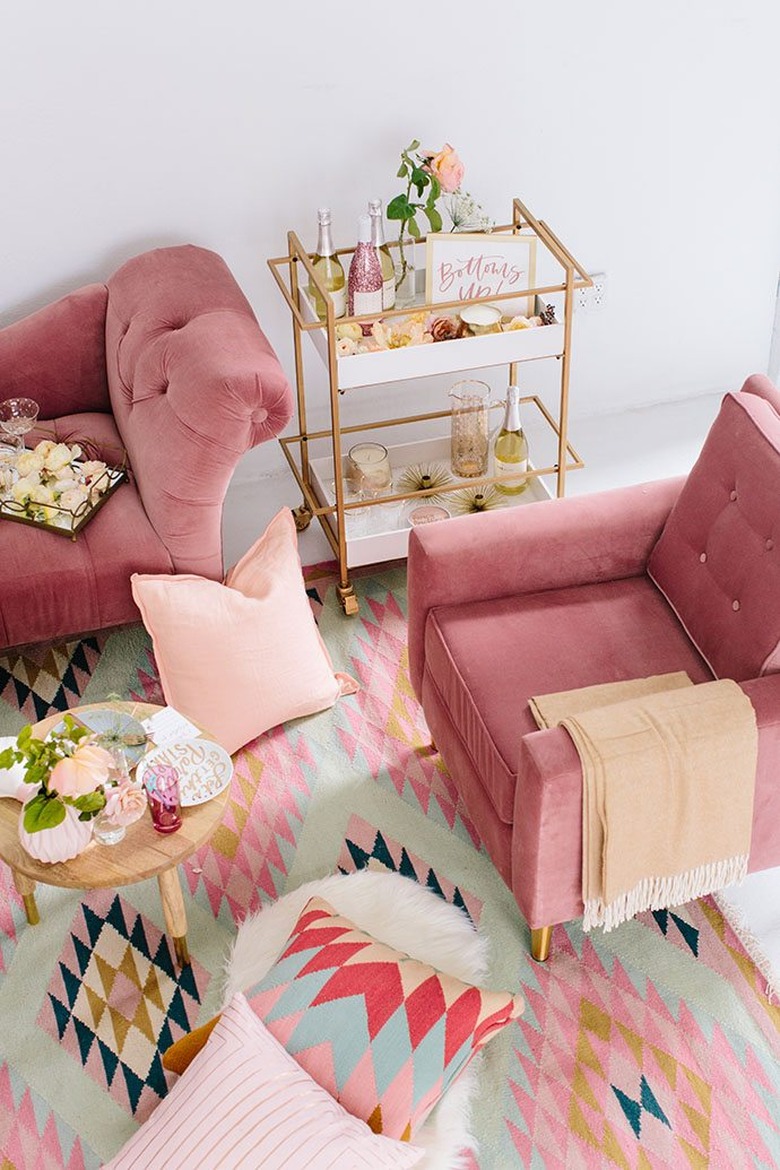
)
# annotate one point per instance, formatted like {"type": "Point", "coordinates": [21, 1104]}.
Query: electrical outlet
{"type": "Point", "coordinates": [592, 298]}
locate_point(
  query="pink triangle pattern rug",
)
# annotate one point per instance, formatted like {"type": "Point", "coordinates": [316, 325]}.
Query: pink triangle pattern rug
{"type": "Point", "coordinates": [652, 1047]}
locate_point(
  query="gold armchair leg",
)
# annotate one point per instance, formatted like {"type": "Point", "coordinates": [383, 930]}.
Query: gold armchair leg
{"type": "Point", "coordinates": [540, 943]}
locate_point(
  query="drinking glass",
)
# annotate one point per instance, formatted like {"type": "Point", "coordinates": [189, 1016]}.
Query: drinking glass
{"type": "Point", "coordinates": [17, 417]}
{"type": "Point", "coordinates": [161, 782]}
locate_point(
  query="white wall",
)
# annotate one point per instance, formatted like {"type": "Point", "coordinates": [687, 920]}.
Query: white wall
{"type": "Point", "coordinates": [650, 140]}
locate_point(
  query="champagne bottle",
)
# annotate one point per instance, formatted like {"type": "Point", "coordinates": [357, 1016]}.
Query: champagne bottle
{"type": "Point", "coordinates": [365, 274]}
{"type": "Point", "coordinates": [511, 448]}
{"type": "Point", "coordinates": [385, 259]}
{"type": "Point", "coordinates": [329, 270]}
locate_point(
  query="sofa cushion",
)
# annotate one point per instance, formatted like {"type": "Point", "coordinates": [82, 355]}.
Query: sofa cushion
{"type": "Point", "coordinates": [385, 1033]}
{"type": "Point", "coordinates": [487, 658]}
{"type": "Point", "coordinates": [51, 586]}
{"type": "Point", "coordinates": [245, 656]}
{"type": "Point", "coordinates": [718, 558]}
{"type": "Point", "coordinates": [246, 1104]}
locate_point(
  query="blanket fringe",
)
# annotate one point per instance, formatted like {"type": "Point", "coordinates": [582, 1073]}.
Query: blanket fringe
{"type": "Point", "coordinates": [658, 893]}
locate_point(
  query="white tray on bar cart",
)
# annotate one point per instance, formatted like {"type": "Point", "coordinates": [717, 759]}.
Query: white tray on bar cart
{"type": "Point", "coordinates": [439, 357]}
{"type": "Point", "coordinates": [380, 532]}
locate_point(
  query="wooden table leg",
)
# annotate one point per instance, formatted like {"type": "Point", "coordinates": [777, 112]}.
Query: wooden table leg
{"type": "Point", "coordinates": [175, 914]}
{"type": "Point", "coordinates": [26, 887]}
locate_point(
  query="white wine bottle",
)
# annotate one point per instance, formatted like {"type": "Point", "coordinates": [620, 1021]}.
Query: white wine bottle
{"type": "Point", "coordinates": [385, 259]}
{"type": "Point", "coordinates": [511, 449]}
{"type": "Point", "coordinates": [329, 270]}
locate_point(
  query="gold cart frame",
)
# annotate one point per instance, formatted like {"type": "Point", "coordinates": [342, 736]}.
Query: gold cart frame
{"type": "Point", "coordinates": [286, 270]}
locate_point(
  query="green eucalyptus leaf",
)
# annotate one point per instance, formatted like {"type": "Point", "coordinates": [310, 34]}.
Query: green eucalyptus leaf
{"type": "Point", "coordinates": [413, 229]}
{"type": "Point", "coordinates": [8, 757]}
{"type": "Point", "coordinates": [24, 736]}
{"type": "Point", "coordinates": [43, 812]}
{"type": "Point", "coordinates": [434, 219]}
{"type": "Point", "coordinates": [403, 171]}
{"type": "Point", "coordinates": [415, 145]}
{"type": "Point", "coordinates": [435, 190]}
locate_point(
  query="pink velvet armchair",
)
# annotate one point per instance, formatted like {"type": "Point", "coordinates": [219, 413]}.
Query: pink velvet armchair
{"type": "Point", "coordinates": [164, 363]}
{"type": "Point", "coordinates": [667, 576]}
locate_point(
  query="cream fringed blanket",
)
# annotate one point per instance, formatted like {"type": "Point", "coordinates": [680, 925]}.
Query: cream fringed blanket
{"type": "Point", "coordinates": [668, 780]}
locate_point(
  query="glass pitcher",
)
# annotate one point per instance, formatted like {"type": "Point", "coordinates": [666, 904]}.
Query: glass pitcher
{"type": "Point", "coordinates": [469, 422]}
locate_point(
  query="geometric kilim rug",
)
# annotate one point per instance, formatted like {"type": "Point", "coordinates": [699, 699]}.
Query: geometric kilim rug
{"type": "Point", "coordinates": [653, 1046]}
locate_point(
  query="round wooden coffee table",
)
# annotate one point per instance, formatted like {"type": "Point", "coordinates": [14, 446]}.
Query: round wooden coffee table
{"type": "Point", "coordinates": [143, 853]}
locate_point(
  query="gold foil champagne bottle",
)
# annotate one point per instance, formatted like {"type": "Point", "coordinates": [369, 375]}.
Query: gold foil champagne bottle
{"type": "Point", "coordinates": [328, 268]}
{"type": "Point", "coordinates": [385, 259]}
{"type": "Point", "coordinates": [511, 449]}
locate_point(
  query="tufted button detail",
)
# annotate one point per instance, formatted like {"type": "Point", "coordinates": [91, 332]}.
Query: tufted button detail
{"type": "Point", "coordinates": [735, 606]}
{"type": "Point", "coordinates": [703, 558]}
{"type": "Point", "coordinates": [733, 495]}
{"type": "Point", "coordinates": [770, 544]}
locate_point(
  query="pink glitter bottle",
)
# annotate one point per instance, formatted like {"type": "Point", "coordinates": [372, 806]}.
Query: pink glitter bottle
{"type": "Point", "coordinates": [365, 275]}
{"type": "Point", "coordinates": [161, 782]}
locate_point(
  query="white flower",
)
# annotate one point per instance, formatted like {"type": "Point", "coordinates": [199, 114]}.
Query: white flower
{"type": "Point", "coordinates": [73, 498]}
{"type": "Point", "coordinates": [29, 461]}
{"type": "Point", "coordinates": [41, 494]}
{"type": "Point", "coordinates": [44, 447]}
{"type": "Point", "coordinates": [92, 470]}
{"type": "Point", "coordinates": [345, 347]}
{"type": "Point", "coordinates": [58, 457]}
{"type": "Point", "coordinates": [22, 488]}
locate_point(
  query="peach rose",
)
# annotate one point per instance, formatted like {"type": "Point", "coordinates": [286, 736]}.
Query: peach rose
{"type": "Point", "coordinates": [125, 803]}
{"type": "Point", "coordinates": [446, 167]}
{"type": "Point", "coordinates": [83, 772]}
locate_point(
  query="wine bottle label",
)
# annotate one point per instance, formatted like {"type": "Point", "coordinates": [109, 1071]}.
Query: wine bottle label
{"type": "Point", "coordinates": [339, 298]}
{"type": "Point", "coordinates": [513, 469]}
{"type": "Point", "coordinates": [388, 293]}
{"type": "Point", "coordinates": [366, 302]}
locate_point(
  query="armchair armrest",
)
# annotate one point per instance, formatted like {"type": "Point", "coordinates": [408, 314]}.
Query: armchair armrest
{"type": "Point", "coordinates": [547, 545]}
{"type": "Point", "coordinates": [547, 837]}
{"type": "Point", "coordinates": [57, 356]}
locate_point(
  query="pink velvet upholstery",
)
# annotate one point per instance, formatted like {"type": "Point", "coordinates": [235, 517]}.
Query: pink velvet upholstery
{"type": "Point", "coordinates": [167, 363]}
{"type": "Point", "coordinates": [557, 595]}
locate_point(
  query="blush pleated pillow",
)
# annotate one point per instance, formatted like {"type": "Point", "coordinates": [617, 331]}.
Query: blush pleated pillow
{"type": "Point", "coordinates": [244, 1104]}
{"type": "Point", "coordinates": [245, 656]}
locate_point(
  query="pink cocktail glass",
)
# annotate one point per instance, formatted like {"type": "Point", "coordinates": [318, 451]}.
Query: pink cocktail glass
{"type": "Point", "coordinates": [161, 782]}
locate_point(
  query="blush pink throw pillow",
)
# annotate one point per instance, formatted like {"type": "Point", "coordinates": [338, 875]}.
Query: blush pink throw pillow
{"type": "Point", "coordinates": [245, 656]}
{"type": "Point", "coordinates": [245, 1104]}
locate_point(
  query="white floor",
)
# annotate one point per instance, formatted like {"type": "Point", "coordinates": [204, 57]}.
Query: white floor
{"type": "Point", "coordinates": [618, 449]}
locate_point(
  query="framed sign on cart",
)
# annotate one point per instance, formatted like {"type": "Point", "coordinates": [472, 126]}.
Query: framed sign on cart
{"type": "Point", "coordinates": [465, 265]}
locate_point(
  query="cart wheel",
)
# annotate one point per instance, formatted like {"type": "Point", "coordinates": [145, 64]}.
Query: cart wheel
{"type": "Point", "coordinates": [302, 518]}
{"type": "Point", "coordinates": [349, 602]}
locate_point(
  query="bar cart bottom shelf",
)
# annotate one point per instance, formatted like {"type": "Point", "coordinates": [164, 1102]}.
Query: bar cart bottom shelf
{"type": "Point", "coordinates": [379, 532]}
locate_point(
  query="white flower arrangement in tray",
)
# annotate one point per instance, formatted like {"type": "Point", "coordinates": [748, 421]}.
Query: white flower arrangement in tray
{"type": "Point", "coordinates": [53, 487]}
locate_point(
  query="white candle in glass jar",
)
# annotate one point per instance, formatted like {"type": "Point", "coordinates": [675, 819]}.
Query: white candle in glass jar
{"type": "Point", "coordinates": [368, 468]}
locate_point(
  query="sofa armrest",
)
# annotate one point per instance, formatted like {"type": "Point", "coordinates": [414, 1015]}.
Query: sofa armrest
{"type": "Point", "coordinates": [57, 356]}
{"type": "Point", "coordinates": [551, 544]}
{"type": "Point", "coordinates": [194, 384]}
{"type": "Point", "coordinates": [547, 833]}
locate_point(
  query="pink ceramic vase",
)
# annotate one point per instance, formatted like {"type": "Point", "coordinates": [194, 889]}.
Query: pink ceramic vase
{"type": "Point", "coordinates": [62, 843]}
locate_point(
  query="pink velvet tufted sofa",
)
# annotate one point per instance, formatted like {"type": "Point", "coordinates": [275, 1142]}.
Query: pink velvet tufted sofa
{"type": "Point", "coordinates": [164, 362]}
{"type": "Point", "coordinates": [674, 575]}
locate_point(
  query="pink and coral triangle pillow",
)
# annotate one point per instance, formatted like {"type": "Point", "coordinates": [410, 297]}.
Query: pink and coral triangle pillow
{"type": "Point", "coordinates": [384, 1033]}
{"type": "Point", "coordinates": [245, 656]}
